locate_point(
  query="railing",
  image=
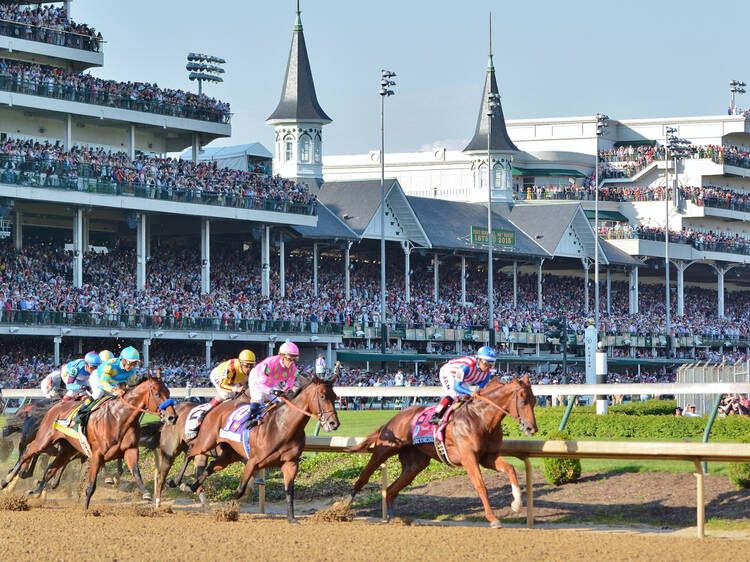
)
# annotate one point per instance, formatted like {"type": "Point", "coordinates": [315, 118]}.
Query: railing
{"type": "Point", "coordinates": [16, 84]}
{"type": "Point", "coordinates": [716, 202]}
{"type": "Point", "coordinates": [57, 174]}
{"type": "Point", "coordinates": [50, 35]}
{"type": "Point", "coordinates": [729, 247]}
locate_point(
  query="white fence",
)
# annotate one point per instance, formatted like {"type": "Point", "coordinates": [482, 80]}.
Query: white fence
{"type": "Point", "coordinates": [704, 372]}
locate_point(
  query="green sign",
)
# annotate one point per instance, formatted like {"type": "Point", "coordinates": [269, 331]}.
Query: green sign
{"type": "Point", "coordinates": [505, 238]}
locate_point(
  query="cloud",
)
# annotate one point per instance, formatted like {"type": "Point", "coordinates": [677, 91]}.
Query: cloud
{"type": "Point", "coordinates": [448, 144]}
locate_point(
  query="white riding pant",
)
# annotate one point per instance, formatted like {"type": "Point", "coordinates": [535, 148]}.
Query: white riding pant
{"type": "Point", "coordinates": [47, 389]}
{"type": "Point", "coordinates": [221, 394]}
{"type": "Point", "coordinates": [259, 391]}
{"type": "Point", "coordinates": [447, 380]}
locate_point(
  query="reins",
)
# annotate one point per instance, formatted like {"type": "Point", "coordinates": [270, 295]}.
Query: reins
{"type": "Point", "coordinates": [305, 412]}
{"type": "Point", "coordinates": [162, 406]}
{"type": "Point", "coordinates": [476, 394]}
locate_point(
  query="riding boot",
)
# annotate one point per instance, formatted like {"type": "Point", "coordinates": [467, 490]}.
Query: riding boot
{"type": "Point", "coordinates": [445, 401]}
{"type": "Point", "coordinates": [212, 404]}
{"type": "Point", "coordinates": [254, 411]}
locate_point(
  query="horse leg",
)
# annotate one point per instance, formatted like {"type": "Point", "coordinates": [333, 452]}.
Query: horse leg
{"type": "Point", "coordinates": [30, 453]}
{"type": "Point", "coordinates": [115, 480]}
{"type": "Point", "coordinates": [131, 457]}
{"type": "Point", "coordinates": [165, 464]}
{"type": "Point", "coordinates": [498, 463]}
{"type": "Point", "coordinates": [379, 456]}
{"type": "Point", "coordinates": [28, 472]}
{"type": "Point", "coordinates": [174, 482]}
{"type": "Point", "coordinates": [289, 469]}
{"type": "Point", "coordinates": [97, 461]}
{"type": "Point", "coordinates": [413, 461]}
{"type": "Point", "coordinates": [470, 463]}
{"type": "Point", "coordinates": [247, 473]}
{"type": "Point", "coordinates": [59, 462]}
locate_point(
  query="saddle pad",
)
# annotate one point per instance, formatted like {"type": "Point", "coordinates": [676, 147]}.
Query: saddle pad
{"type": "Point", "coordinates": [237, 419]}
{"type": "Point", "coordinates": [193, 421]}
{"type": "Point", "coordinates": [422, 431]}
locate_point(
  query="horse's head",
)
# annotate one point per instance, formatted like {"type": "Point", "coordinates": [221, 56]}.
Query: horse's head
{"type": "Point", "coordinates": [524, 406]}
{"type": "Point", "coordinates": [321, 402]}
{"type": "Point", "coordinates": [153, 396]}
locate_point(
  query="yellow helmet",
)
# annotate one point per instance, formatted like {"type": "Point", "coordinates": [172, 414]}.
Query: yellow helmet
{"type": "Point", "coordinates": [247, 356]}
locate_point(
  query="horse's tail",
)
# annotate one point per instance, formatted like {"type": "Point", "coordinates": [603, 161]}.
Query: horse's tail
{"type": "Point", "coordinates": [150, 435]}
{"type": "Point", "coordinates": [368, 443]}
{"type": "Point", "coordinates": [13, 424]}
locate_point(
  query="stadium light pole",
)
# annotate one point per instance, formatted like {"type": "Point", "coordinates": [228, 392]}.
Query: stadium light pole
{"type": "Point", "coordinates": [493, 105]}
{"type": "Point", "coordinates": [601, 129]}
{"type": "Point", "coordinates": [204, 68]}
{"type": "Point", "coordinates": [670, 131]}
{"type": "Point", "coordinates": [385, 91]}
{"type": "Point", "coordinates": [735, 87]}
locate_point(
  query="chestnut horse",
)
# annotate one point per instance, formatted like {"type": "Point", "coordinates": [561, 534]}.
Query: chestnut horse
{"type": "Point", "coordinates": [473, 437]}
{"type": "Point", "coordinates": [113, 432]}
{"type": "Point", "coordinates": [277, 442]}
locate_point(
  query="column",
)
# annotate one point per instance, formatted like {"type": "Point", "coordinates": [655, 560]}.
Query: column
{"type": "Point", "coordinates": [609, 291]}
{"type": "Point", "coordinates": [601, 378]}
{"type": "Point", "coordinates": [131, 142]}
{"type": "Point", "coordinates": [209, 344]}
{"type": "Point", "coordinates": [329, 356]}
{"type": "Point", "coordinates": [347, 269]}
{"type": "Point", "coordinates": [78, 247]}
{"type": "Point", "coordinates": [18, 231]}
{"type": "Point", "coordinates": [407, 268]}
{"type": "Point", "coordinates": [282, 268]}
{"type": "Point", "coordinates": [265, 267]}
{"type": "Point", "coordinates": [57, 340]}
{"type": "Point", "coordinates": [680, 266]}
{"type": "Point", "coordinates": [586, 264]}
{"type": "Point", "coordinates": [148, 240]}
{"type": "Point", "coordinates": [85, 233]}
{"type": "Point", "coordinates": [633, 285]}
{"type": "Point", "coordinates": [205, 256]}
{"type": "Point", "coordinates": [140, 251]}
{"type": "Point", "coordinates": [515, 283]}
{"type": "Point", "coordinates": [68, 132]}
{"type": "Point", "coordinates": [270, 349]}
{"type": "Point", "coordinates": [720, 271]}
{"type": "Point", "coordinates": [195, 154]}
{"type": "Point", "coordinates": [315, 269]}
{"type": "Point", "coordinates": [463, 280]}
{"type": "Point", "coordinates": [435, 277]}
{"type": "Point", "coordinates": [539, 283]}
{"type": "Point", "coordinates": [146, 346]}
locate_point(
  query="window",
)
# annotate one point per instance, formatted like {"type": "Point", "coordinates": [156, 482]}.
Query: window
{"type": "Point", "coordinates": [318, 149]}
{"type": "Point", "coordinates": [288, 149]}
{"type": "Point", "coordinates": [482, 179]}
{"type": "Point", "coordinates": [304, 149]}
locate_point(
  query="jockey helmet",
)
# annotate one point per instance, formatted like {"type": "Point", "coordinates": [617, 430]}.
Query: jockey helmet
{"type": "Point", "coordinates": [130, 354]}
{"type": "Point", "coordinates": [92, 358]}
{"type": "Point", "coordinates": [247, 356]}
{"type": "Point", "coordinates": [289, 349]}
{"type": "Point", "coordinates": [487, 354]}
{"type": "Point", "coordinates": [106, 355]}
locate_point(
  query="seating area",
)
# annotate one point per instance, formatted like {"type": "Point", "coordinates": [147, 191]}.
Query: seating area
{"type": "Point", "coordinates": [47, 24]}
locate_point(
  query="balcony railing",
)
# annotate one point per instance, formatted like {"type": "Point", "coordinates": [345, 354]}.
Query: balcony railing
{"type": "Point", "coordinates": [50, 35]}
{"type": "Point", "coordinates": [16, 84]}
{"type": "Point", "coordinates": [740, 246]}
{"type": "Point", "coordinates": [56, 174]}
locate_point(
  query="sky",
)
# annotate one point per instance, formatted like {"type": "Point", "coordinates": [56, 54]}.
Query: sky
{"type": "Point", "coordinates": [624, 58]}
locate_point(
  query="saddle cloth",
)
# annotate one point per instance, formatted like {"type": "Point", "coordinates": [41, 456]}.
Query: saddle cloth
{"type": "Point", "coordinates": [235, 427]}
{"type": "Point", "coordinates": [423, 431]}
{"type": "Point", "coordinates": [193, 421]}
{"type": "Point", "coordinates": [70, 426]}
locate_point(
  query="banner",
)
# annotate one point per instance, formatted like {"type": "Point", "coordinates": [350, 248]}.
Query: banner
{"type": "Point", "coordinates": [589, 342]}
{"type": "Point", "coordinates": [505, 238]}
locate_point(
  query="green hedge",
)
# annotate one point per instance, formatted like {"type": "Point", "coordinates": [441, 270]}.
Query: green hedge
{"type": "Point", "coordinates": [561, 471]}
{"type": "Point", "coordinates": [583, 425]}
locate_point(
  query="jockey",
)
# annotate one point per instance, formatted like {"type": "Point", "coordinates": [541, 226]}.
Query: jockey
{"type": "Point", "coordinates": [106, 378]}
{"type": "Point", "coordinates": [52, 385]}
{"type": "Point", "coordinates": [272, 376]}
{"type": "Point", "coordinates": [229, 378]}
{"type": "Point", "coordinates": [456, 374]}
{"type": "Point", "coordinates": [75, 375]}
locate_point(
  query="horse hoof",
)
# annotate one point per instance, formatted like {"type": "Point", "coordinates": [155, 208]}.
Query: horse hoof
{"type": "Point", "coordinates": [157, 501]}
{"type": "Point", "coordinates": [496, 524]}
{"type": "Point", "coordinates": [516, 506]}
{"type": "Point", "coordinates": [3, 485]}
{"type": "Point", "coordinates": [30, 492]}
{"type": "Point", "coordinates": [171, 483]}
{"type": "Point", "coordinates": [109, 481]}
{"type": "Point", "coordinates": [185, 488]}
{"type": "Point", "coordinates": [293, 521]}
{"type": "Point", "coordinates": [147, 496]}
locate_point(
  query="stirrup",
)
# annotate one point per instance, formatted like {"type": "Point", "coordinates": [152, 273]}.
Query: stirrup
{"type": "Point", "coordinates": [435, 419]}
{"type": "Point", "coordinates": [253, 422]}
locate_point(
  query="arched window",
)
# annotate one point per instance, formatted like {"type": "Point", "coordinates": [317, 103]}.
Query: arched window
{"type": "Point", "coordinates": [501, 177]}
{"type": "Point", "coordinates": [288, 149]}
{"type": "Point", "coordinates": [318, 149]}
{"type": "Point", "coordinates": [482, 177]}
{"type": "Point", "coordinates": [305, 149]}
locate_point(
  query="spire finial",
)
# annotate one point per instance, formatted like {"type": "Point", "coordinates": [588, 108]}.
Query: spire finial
{"type": "Point", "coordinates": [490, 65]}
{"type": "Point", "coordinates": [298, 21]}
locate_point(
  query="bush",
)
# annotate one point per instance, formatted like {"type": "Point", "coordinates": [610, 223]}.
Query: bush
{"type": "Point", "coordinates": [739, 472]}
{"type": "Point", "coordinates": [561, 471]}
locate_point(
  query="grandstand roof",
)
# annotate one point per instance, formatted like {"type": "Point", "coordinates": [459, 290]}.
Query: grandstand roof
{"type": "Point", "coordinates": [448, 225]}
{"type": "Point", "coordinates": [298, 99]}
{"type": "Point", "coordinates": [218, 152]}
{"type": "Point", "coordinates": [329, 226]}
{"type": "Point", "coordinates": [615, 256]}
{"type": "Point", "coordinates": [500, 139]}
{"type": "Point", "coordinates": [354, 202]}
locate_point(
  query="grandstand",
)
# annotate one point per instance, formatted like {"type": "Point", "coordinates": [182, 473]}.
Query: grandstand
{"type": "Point", "coordinates": [110, 242]}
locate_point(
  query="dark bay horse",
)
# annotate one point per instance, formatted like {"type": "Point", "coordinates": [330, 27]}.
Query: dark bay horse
{"type": "Point", "coordinates": [473, 438]}
{"type": "Point", "coordinates": [277, 442]}
{"type": "Point", "coordinates": [113, 432]}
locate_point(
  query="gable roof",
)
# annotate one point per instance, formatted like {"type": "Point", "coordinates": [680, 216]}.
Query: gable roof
{"type": "Point", "coordinates": [546, 224]}
{"type": "Point", "coordinates": [354, 202]}
{"type": "Point", "coordinates": [328, 226]}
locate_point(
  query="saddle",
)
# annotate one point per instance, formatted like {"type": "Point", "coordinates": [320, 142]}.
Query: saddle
{"type": "Point", "coordinates": [425, 433]}
{"type": "Point", "coordinates": [75, 423]}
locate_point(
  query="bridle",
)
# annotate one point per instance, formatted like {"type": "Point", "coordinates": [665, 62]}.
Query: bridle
{"type": "Point", "coordinates": [157, 408]}
{"type": "Point", "coordinates": [476, 394]}
{"type": "Point", "coordinates": [323, 416]}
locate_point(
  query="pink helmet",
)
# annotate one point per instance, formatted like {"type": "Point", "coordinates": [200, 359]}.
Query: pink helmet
{"type": "Point", "coordinates": [288, 348]}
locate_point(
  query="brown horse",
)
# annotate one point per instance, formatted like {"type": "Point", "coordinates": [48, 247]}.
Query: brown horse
{"type": "Point", "coordinates": [473, 438]}
{"type": "Point", "coordinates": [277, 442]}
{"type": "Point", "coordinates": [113, 432]}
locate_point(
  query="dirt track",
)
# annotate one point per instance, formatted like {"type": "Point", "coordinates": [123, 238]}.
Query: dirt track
{"type": "Point", "coordinates": [119, 533]}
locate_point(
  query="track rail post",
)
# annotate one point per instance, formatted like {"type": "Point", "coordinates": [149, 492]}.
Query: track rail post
{"type": "Point", "coordinates": [529, 494]}
{"type": "Point", "coordinates": [700, 506]}
{"type": "Point", "coordinates": [261, 482]}
{"type": "Point", "coordinates": [384, 489]}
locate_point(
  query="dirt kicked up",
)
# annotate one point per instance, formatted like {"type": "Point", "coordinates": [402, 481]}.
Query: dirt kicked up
{"type": "Point", "coordinates": [124, 532]}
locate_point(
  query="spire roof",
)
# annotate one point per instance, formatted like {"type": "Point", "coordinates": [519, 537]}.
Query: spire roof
{"type": "Point", "coordinates": [500, 140]}
{"type": "Point", "coordinates": [298, 100]}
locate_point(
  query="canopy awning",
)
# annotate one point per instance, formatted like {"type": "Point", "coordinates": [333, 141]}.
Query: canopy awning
{"type": "Point", "coordinates": [607, 215]}
{"type": "Point", "coordinates": [643, 142]}
{"type": "Point", "coordinates": [548, 172]}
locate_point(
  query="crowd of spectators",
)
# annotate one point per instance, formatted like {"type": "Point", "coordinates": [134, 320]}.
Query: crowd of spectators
{"type": "Point", "coordinates": [49, 81]}
{"type": "Point", "coordinates": [46, 164]}
{"type": "Point", "coordinates": [48, 24]}
{"type": "Point", "coordinates": [709, 241]}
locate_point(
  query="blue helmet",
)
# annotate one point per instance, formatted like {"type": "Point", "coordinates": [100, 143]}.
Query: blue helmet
{"type": "Point", "coordinates": [487, 353]}
{"type": "Point", "coordinates": [130, 354]}
{"type": "Point", "coordinates": [92, 358]}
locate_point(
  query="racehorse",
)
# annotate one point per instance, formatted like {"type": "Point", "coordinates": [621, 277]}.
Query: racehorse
{"type": "Point", "coordinates": [25, 422]}
{"type": "Point", "coordinates": [277, 442]}
{"type": "Point", "coordinates": [473, 437]}
{"type": "Point", "coordinates": [113, 432]}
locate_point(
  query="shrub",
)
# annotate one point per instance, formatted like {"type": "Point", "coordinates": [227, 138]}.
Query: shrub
{"type": "Point", "coordinates": [561, 471]}
{"type": "Point", "coordinates": [739, 472]}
